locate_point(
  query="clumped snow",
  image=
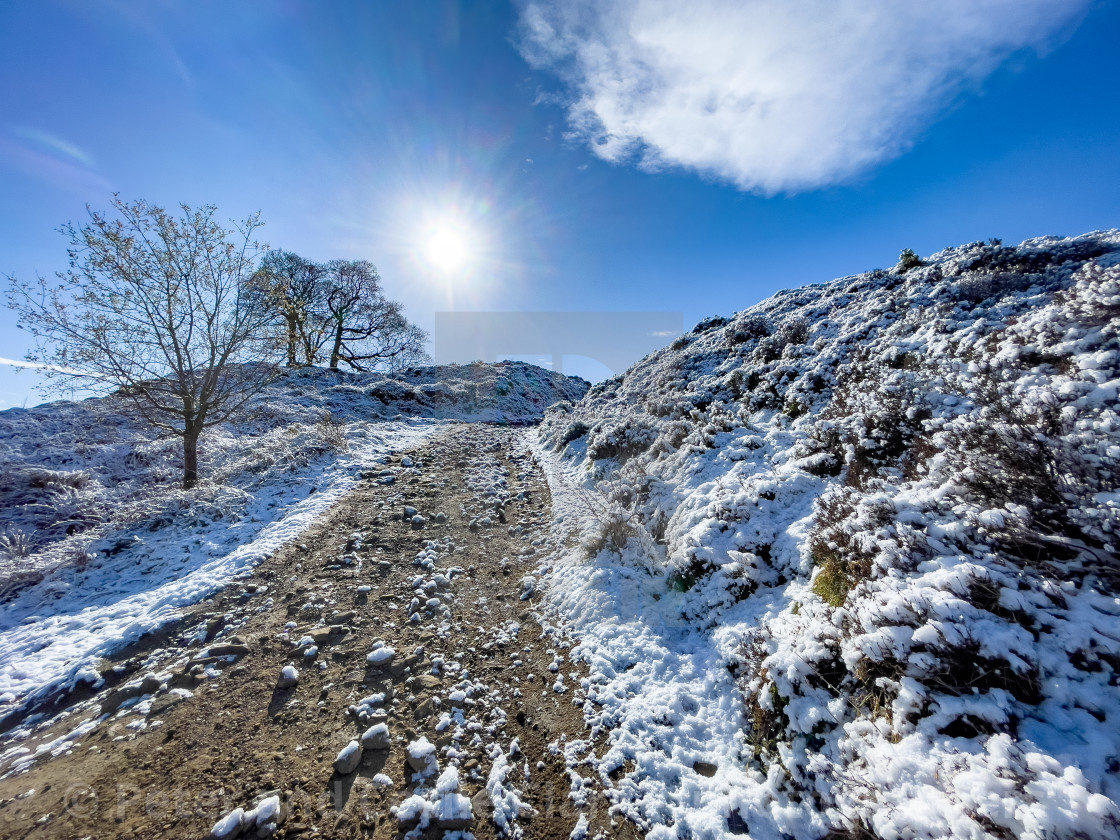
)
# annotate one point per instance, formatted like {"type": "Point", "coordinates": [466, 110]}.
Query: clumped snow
{"type": "Point", "coordinates": [99, 545]}
{"type": "Point", "coordinates": [848, 559]}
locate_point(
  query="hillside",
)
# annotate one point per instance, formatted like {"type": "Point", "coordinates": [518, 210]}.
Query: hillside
{"type": "Point", "coordinates": [841, 565]}
{"type": "Point", "coordinates": [99, 545]}
{"type": "Point", "coordinates": [849, 557]}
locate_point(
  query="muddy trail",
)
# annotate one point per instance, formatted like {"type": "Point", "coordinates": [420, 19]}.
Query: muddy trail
{"type": "Point", "coordinates": [387, 675]}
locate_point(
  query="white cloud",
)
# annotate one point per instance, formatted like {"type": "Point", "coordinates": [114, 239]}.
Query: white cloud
{"type": "Point", "coordinates": [774, 95]}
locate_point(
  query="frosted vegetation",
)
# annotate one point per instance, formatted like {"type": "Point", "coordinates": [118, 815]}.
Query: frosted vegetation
{"type": "Point", "coordinates": [849, 558]}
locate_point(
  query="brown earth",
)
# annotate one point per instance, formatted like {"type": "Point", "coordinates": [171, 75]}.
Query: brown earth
{"type": "Point", "coordinates": [162, 766]}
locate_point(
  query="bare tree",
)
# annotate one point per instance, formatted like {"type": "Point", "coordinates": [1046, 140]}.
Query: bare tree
{"type": "Point", "coordinates": [162, 309]}
{"type": "Point", "coordinates": [294, 287]}
{"type": "Point", "coordinates": [367, 331]}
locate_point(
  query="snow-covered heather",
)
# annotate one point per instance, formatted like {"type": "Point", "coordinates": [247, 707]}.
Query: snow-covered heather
{"type": "Point", "coordinates": [115, 548]}
{"type": "Point", "coordinates": [848, 559]}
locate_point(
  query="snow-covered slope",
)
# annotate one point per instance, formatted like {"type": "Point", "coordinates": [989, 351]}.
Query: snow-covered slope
{"type": "Point", "coordinates": [98, 544]}
{"type": "Point", "coordinates": [850, 557]}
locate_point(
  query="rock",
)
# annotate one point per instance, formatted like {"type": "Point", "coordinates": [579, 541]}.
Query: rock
{"type": "Point", "coordinates": [149, 685]}
{"type": "Point", "coordinates": [348, 759]}
{"type": "Point", "coordinates": [409, 512]}
{"type": "Point", "coordinates": [116, 698]}
{"type": "Point", "coordinates": [229, 826]}
{"type": "Point", "coordinates": [228, 650]}
{"type": "Point", "coordinates": [440, 518]}
{"type": "Point", "coordinates": [339, 618]}
{"type": "Point", "coordinates": [422, 756]}
{"type": "Point", "coordinates": [320, 635]}
{"type": "Point", "coordinates": [167, 701]}
{"type": "Point", "coordinates": [425, 682]}
{"type": "Point", "coordinates": [267, 816]}
{"type": "Point", "coordinates": [289, 677]}
{"type": "Point", "coordinates": [453, 812]}
{"type": "Point", "coordinates": [704, 768]}
{"type": "Point", "coordinates": [381, 657]}
{"type": "Point", "coordinates": [418, 521]}
{"type": "Point", "coordinates": [376, 737]}
{"type": "Point", "coordinates": [481, 804]}
{"type": "Point", "coordinates": [214, 626]}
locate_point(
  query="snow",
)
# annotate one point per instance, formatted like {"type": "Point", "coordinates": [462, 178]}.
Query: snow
{"type": "Point", "coordinates": [508, 802]}
{"type": "Point", "coordinates": [798, 557]}
{"type": "Point", "coordinates": [229, 825]}
{"type": "Point", "coordinates": [289, 676]}
{"type": "Point", "coordinates": [443, 803]}
{"type": "Point", "coordinates": [422, 757]}
{"type": "Point", "coordinates": [381, 656]}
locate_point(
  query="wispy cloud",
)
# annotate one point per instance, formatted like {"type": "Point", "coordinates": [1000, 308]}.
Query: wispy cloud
{"type": "Point", "coordinates": [774, 95]}
{"type": "Point", "coordinates": [53, 144]}
{"type": "Point", "coordinates": [52, 158]}
{"type": "Point", "coordinates": [40, 366]}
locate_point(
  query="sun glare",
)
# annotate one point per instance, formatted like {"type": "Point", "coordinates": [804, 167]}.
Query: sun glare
{"type": "Point", "coordinates": [447, 249]}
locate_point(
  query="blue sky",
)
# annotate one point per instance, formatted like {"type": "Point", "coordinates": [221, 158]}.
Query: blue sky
{"type": "Point", "coordinates": [597, 156]}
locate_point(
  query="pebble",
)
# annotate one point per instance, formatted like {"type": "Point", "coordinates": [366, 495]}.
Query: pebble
{"type": "Point", "coordinates": [705, 768]}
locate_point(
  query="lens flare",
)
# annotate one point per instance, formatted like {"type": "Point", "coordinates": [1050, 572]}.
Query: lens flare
{"type": "Point", "coordinates": [447, 248]}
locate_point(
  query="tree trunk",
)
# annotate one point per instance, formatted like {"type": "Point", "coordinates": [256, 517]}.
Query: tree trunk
{"type": "Point", "coordinates": [190, 458]}
{"type": "Point", "coordinates": [292, 340]}
{"type": "Point", "coordinates": [337, 349]}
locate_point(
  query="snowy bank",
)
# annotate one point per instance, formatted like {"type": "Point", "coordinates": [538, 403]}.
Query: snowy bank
{"type": "Point", "coordinates": [847, 560]}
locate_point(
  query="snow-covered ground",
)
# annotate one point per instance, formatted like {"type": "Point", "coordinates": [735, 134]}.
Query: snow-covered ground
{"type": "Point", "coordinates": [100, 546]}
{"type": "Point", "coordinates": [847, 561]}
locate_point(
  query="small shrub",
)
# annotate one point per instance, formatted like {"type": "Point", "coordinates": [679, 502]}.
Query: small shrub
{"type": "Point", "coordinates": [332, 432]}
{"type": "Point", "coordinates": [623, 441]}
{"type": "Point", "coordinates": [613, 530]}
{"type": "Point", "coordinates": [832, 583]}
{"type": "Point", "coordinates": [908, 260]}
{"type": "Point", "coordinates": [576, 429]}
{"type": "Point", "coordinates": [750, 328]}
{"type": "Point", "coordinates": [560, 407]}
{"type": "Point", "coordinates": [680, 342]}
{"type": "Point", "coordinates": [837, 551]}
{"type": "Point", "coordinates": [768, 723]}
{"type": "Point", "coordinates": [15, 544]}
{"type": "Point", "coordinates": [795, 330]}
{"type": "Point", "coordinates": [980, 286]}
{"type": "Point", "coordinates": [709, 324]}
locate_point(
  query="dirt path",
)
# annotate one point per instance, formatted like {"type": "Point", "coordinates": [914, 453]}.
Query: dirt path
{"type": "Point", "coordinates": [192, 725]}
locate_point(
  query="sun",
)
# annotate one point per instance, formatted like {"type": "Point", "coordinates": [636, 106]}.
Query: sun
{"type": "Point", "coordinates": [447, 249]}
